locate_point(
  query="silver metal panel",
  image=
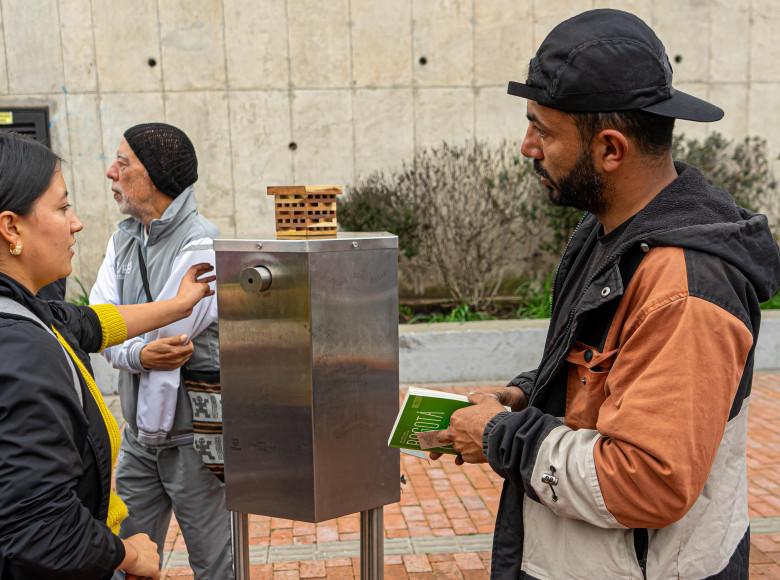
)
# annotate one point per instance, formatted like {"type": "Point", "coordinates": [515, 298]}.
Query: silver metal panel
{"type": "Point", "coordinates": [309, 376]}
{"type": "Point", "coordinates": [354, 311]}
{"type": "Point", "coordinates": [343, 241]}
{"type": "Point", "coordinates": [265, 352]}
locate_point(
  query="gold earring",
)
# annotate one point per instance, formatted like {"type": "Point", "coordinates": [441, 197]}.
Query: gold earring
{"type": "Point", "coordinates": [16, 250]}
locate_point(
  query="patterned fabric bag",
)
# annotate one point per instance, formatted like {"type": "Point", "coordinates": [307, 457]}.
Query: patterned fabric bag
{"type": "Point", "coordinates": [205, 395]}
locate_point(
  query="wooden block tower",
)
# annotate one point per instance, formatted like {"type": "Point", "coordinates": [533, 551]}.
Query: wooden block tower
{"type": "Point", "coordinates": [305, 210]}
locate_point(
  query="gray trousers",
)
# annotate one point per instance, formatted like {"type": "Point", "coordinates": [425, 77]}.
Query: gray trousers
{"type": "Point", "coordinates": [154, 482]}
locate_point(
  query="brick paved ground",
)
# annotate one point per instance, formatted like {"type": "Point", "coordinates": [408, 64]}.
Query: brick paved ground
{"type": "Point", "coordinates": [457, 505]}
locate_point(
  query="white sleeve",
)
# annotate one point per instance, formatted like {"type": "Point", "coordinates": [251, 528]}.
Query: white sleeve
{"type": "Point", "coordinates": [125, 356]}
{"type": "Point", "coordinates": [205, 312]}
{"type": "Point", "coordinates": [203, 315]}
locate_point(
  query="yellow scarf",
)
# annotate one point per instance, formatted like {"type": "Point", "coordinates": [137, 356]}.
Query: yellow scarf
{"type": "Point", "coordinates": [117, 510]}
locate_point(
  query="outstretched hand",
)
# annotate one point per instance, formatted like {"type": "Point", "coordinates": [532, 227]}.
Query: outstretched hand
{"type": "Point", "coordinates": [467, 426]}
{"type": "Point", "coordinates": [193, 289]}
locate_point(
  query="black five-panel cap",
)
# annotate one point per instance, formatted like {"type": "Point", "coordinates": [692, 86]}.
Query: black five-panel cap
{"type": "Point", "coordinates": [607, 61]}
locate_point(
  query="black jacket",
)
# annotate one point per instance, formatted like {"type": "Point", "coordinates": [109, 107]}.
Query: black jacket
{"type": "Point", "coordinates": [563, 505]}
{"type": "Point", "coordinates": [55, 456]}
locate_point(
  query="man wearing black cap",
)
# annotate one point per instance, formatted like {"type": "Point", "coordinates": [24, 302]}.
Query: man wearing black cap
{"type": "Point", "coordinates": [624, 453]}
{"type": "Point", "coordinates": [171, 455]}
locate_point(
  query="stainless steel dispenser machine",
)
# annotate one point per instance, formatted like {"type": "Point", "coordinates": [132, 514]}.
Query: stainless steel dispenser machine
{"type": "Point", "coordinates": [308, 333]}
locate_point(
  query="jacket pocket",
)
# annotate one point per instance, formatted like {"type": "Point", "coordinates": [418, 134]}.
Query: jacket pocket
{"type": "Point", "coordinates": [586, 384]}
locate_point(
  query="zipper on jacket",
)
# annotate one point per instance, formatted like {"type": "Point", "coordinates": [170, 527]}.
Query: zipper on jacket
{"type": "Point", "coordinates": [641, 545]}
{"type": "Point", "coordinates": [609, 262]}
{"type": "Point", "coordinates": [557, 270]}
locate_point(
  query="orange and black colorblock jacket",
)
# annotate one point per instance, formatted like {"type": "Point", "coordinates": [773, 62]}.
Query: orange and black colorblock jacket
{"type": "Point", "coordinates": [630, 460]}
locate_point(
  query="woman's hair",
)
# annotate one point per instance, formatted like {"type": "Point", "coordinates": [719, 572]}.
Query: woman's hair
{"type": "Point", "coordinates": [26, 169]}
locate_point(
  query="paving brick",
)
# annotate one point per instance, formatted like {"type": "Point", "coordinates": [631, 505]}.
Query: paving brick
{"type": "Point", "coordinates": [472, 502]}
{"type": "Point", "coordinates": [338, 562]}
{"type": "Point", "coordinates": [413, 514]}
{"type": "Point", "coordinates": [446, 569]}
{"type": "Point", "coordinates": [261, 571]}
{"type": "Point", "coordinates": [417, 563]}
{"type": "Point", "coordinates": [349, 524]}
{"type": "Point", "coordinates": [286, 575]}
{"type": "Point", "coordinates": [312, 569]}
{"type": "Point", "coordinates": [303, 528]}
{"type": "Point", "coordinates": [468, 561]}
{"type": "Point", "coordinates": [259, 530]}
{"type": "Point", "coordinates": [438, 520]}
{"type": "Point", "coordinates": [475, 574]}
{"type": "Point", "coordinates": [419, 529]}
{"type": "Point", "coordinates": [463, 526]}
{"type": "Point", "coordinates": [432, 506]}
{"type": "Point", "coordinates": [277, 523]}
{"type": "Point", "coordinates": [329, 533]}
{"type": "Point", "coordinates": [434, 558]}
{"type": "Point", "coordinates": [394, 522]}
{"type": "Point", "coordinates": [285, 566]}
{"type": "Point", "coordinates": [340, 573]}
{"type": "Point", "coordinates": [281, 537]}
{"type": "Point", "coordinates": [395, 572]}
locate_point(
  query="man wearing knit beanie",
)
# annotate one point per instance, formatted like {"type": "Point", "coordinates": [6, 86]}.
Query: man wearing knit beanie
{"type": "Point", "coordinates": [171, 457]}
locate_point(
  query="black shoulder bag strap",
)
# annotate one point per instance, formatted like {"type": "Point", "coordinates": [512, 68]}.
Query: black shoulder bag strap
{"type": "Point", "coordinates": [144, 275]}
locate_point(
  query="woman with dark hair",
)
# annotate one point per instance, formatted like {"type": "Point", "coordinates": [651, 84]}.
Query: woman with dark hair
{"type": "Point", "coordinates": [58, 441]}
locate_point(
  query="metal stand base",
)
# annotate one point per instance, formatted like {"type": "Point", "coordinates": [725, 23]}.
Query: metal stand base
{"type": "Point", "coordinates": [239, 524]}
{"type": "Point", "coordinates": [372, 551]}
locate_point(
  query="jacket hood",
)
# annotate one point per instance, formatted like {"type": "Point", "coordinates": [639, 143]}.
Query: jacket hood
{"type": "Point", "coordinates": [181, 207]}
{"type": "Point", "coordinates": [692, 213]}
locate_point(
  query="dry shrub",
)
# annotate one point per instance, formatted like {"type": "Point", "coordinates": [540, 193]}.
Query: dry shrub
{"type": "Point", "coordinates": [469, 215]}
{"type": "Point", "coordinates": [465, 215]}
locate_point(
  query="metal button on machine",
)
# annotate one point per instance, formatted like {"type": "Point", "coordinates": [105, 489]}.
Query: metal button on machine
{"type": "Point", "coordinates": [256, 280]}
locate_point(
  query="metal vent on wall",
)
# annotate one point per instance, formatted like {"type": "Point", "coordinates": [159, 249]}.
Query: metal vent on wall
{"type": "Point", "coordinates": [32, 121]}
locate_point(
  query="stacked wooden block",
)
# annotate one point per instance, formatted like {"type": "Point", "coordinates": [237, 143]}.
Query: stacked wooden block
{"type": "Point", "coordinates": [305, 210]}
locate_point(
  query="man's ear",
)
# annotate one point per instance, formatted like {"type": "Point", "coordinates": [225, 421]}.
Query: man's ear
{"type": "Point", "coordinates": [9, 227]}
{"type": "Point", "coordinates": [610, 148]}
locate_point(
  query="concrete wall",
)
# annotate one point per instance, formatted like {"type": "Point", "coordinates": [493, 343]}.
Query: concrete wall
{"type": "Point", "coordinates": [499, 350]}
{"type": "Point", "coordinates": [341, 79]}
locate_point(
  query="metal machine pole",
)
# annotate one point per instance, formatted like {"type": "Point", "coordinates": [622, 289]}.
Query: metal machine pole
{"type": "Point", "coordinates": [239, 524]}
{"type": "Point", "coordinates": [372, 552]}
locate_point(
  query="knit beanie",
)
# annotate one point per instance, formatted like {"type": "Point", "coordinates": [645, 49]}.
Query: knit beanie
{"type": "Point", "coordinates": [167, 154]}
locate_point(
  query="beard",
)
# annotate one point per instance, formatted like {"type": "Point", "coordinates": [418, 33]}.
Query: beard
{"type": "Point", "coordinates": [582, 188]}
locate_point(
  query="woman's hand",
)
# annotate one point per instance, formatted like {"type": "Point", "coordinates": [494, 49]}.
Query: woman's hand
{"type": "Point", "coordinates": [192, 290]}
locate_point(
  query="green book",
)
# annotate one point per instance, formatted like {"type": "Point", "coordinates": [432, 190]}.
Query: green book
{"type": "Point", "coordinates": [424, 410]}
